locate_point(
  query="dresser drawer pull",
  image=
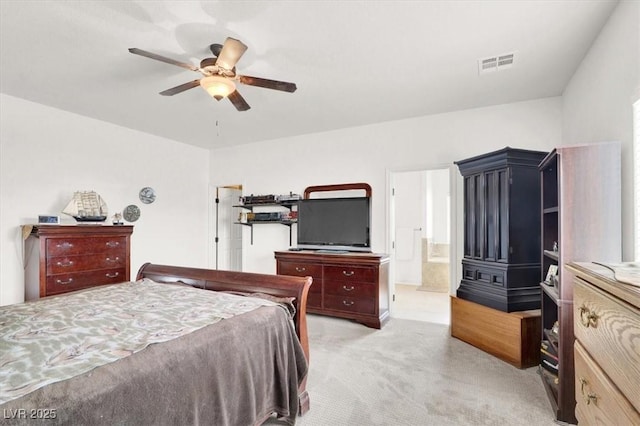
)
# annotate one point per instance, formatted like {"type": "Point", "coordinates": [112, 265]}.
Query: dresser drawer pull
{"type": "Point", "coordinates": [64, 245]}
{"type": "Point", "coordinates": [108, 259]}
{"type": "Point", "coordinates": [350, 288]}
{"type": "Point", "coordinates": [347, 273]}
{"type": "Point", "coordinates": [113, 243]}
{"type": "Point", "coordinates": [65, 264]}
{"type": "Point", "coordinates": [589, 397]}
{"type": "Point", "coordinates": [348, 302]}
{"type": "Point", "coordinates": [108, 275]}
{"type": "Point", "coordinates": [587, 317]}
{"type": "Point", "coordinates": [300, 269]}
{"type": "Point", "coordinates": [69, 281]}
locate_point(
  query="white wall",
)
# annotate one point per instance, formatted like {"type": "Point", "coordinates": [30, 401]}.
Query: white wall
{"type": "Point", "coordinates": [597, 102]}
{"type": "Point", "coordinates": [46, 154]}
{"type": "Point", "coordinates": [438, 194]}
{"type": "Point", "coordinates": [368, 153]}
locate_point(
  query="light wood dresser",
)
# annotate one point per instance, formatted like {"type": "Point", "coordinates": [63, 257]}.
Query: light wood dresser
{"type": "Point", "coordinates": [64, 258]}
{"type": "Point", "coordinates": [607, 347]}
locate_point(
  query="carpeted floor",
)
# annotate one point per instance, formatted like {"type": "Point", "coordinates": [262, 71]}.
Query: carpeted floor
{"type": "Point", "coordinates": [416, 304]}
{"type": "Point", "coordinates": [413, 373]}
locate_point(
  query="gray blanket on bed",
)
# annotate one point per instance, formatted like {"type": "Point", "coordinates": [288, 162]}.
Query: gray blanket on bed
{"type": "Point", "coordinates": [235, 372]}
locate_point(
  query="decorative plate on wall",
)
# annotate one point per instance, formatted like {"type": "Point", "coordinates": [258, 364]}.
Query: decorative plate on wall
{"type": "Point", "coordinates": [131, 213]}
{"type": "Point", "coordinates": [147, 195]}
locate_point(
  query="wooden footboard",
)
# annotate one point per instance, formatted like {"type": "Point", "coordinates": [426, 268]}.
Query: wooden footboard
{"type": "Point", "coordinates": [274, 285]}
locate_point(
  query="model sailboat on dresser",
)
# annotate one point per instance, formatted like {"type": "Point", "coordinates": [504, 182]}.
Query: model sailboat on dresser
{"type": "Point", "coordinates": [86, 206]}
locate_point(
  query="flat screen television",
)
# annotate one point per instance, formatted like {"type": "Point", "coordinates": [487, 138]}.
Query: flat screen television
{"type": "Point", "coordinates": [335, 224]}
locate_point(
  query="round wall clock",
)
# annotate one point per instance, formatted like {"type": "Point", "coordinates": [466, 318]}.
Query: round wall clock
{"type": "Point", "coordinates": [147, 195]}
{"type": "Point", "coordinates": [131, 213]}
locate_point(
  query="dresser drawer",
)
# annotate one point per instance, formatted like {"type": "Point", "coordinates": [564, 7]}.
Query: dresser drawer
{"type": "Point", "coordinates": [75, 246]}
{"type": "Point", "coordinates": [342, 288]}
{"type": "Point", "coordinates": [63, 283]}
{"type": "Point", "coordinates": [299, 269]}
{"type": "Point", "coordinates": [350, 304]}
{"type": "Point", "coordinates": [350, 273]}
{"type": "Point", "coordinates": [66, 264]}
{"type": "Point", "coordinates": [485, 275]}
{"type": "Point", "coordinates": [609, 329]}
{"type": "Point", "coordinates": [598, 400]}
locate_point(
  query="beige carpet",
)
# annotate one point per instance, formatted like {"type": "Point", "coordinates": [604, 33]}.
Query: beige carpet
{"type": "Point", "coordinates": [413, 373]}
{"type": "Point", "coordinates": [413, 303]}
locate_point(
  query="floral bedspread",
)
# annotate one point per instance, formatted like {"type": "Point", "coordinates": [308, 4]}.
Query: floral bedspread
{"type": "Point", "coordinates": [57, 338]}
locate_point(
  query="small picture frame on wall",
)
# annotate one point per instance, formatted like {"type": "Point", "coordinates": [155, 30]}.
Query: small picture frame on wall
{"type": "Point", "coordinates": [551, 274]}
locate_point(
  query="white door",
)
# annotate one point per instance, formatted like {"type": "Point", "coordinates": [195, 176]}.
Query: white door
{"type": "Point", "coordinates": [228, 233]}
{"type": "Point", "coordinates": [409, 226]}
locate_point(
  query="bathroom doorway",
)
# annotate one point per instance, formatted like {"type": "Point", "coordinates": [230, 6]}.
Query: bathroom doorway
{"type": "Point", "coordinates": [420, 235]}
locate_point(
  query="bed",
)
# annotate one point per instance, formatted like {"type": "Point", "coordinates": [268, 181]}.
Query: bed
{"type": "Point", "coordinates": [235, 355]}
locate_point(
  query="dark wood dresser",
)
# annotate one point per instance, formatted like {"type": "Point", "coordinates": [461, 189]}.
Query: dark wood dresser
{"type": "Point", "coordinates": [345, 285]}
{"type": "Point", "coordinates": [64, 258]}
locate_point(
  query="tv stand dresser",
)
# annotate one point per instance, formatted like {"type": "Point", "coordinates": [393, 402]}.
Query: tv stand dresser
{"type": "Point", "coordinates": [345, 285]}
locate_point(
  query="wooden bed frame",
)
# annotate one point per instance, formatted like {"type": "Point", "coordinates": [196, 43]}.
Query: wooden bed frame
{"type": "Point", "coordinates": [247, 282]}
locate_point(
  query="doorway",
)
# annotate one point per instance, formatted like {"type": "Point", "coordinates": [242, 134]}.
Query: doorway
{"type": "Point", "coordinates": [227, 234]}
{"type": "Point", "coordinates": [420, 225]}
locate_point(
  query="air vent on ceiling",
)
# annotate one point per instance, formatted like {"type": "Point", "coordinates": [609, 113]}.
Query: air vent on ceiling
{"type": "Point", "coordinates": [495, 63]}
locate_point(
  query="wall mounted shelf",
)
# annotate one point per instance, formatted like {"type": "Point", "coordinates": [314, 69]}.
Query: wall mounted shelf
{"type": "Point", "coordinates": [290, 205]}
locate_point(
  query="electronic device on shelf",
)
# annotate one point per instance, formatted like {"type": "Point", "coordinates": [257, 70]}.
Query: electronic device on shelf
{"type": "Point", "coordinates": [48, 219]}
{"type": "Point", "coordinates": [259, 199]}
{"type": "Point", "coordinates": [335, 224]}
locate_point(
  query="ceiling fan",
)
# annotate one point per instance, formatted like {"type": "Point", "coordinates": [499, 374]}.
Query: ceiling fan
{"type": "Point", "coordinates": [219, 74]}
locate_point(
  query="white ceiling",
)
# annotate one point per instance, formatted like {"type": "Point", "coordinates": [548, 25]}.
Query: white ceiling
{"type": "Point", "coordinates": [354, 62]}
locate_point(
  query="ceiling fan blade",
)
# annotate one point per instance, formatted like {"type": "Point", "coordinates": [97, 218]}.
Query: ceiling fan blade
{"type": "Point", "coordinates": [230, 54]}
{"type": "Point", "coordinates": [238, 101]}
{"type": "Point", "coordinates": [268, 84]}
{"type": "Point", "coordinates": [181, 88]}
{"type": "Point", "coordinates": [140, 52]}
{"type": "Point", "coordinates": [215, 49]}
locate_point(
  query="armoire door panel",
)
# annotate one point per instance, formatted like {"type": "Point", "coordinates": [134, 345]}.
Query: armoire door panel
{"type": "Point", "coordinates": [502, 222]}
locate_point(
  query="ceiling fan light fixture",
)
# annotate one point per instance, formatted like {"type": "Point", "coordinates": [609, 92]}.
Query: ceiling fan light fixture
{"type": "Point", "coordinates": [217, 86]}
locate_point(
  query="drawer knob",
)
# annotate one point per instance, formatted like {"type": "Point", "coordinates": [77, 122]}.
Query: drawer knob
{"type": "Point", "coordinates": [587, 317]}
{"type": "Point", "coordinates": [64, 245]}
{"type": "Point", "coordinates": [348, 302]}
{"type": "Point", "coordinates": [350, 288]}
{"type": "Point", "coordinates": [65, 264]}
{"type": "Point", "coordinates": [108, 275]}
{"type": "Point", "coordinates": [113, 243]}
{"type": "Point", "coordinates": [300, 268]}
{"type": "Point", "coordinates": [589, 397]}
{"type": "Point", "coordinates": [347, 273]}
{"type": "Point", "coordinates": [69, 281]}
{"type": "Point", "coordinates": [108, 259]}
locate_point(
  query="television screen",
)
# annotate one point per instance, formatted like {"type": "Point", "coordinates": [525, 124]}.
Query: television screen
{"type": "Point", "coordinates": [334, 224]}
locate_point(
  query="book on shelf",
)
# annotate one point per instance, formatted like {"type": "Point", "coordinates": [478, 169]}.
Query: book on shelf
{"type": "Point", "coordinates": [549, 361]}
{"type": "Point", "coordinates": [550, 376]}
{"type": "Point", "coordinates": [549, 366]}
{"type": "Point", "coordinates": [549, 349]}
{"type": "Point", "coordinates": [551, 379]}
{"type": "Point", "coordinates": [552, 338]}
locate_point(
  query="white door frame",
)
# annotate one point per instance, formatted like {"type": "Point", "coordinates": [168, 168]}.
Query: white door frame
{"type": "Point", "coordinates": [455, 220]}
